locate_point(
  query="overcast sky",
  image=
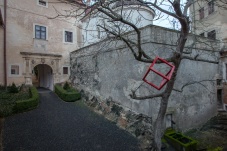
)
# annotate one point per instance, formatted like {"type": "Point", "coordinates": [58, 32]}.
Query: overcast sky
{"type": "Point", "coordinates": [167, 21]}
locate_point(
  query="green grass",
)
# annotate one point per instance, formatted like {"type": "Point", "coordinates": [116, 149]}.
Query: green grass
{"type": "Point", "coordinates": [8, 100]}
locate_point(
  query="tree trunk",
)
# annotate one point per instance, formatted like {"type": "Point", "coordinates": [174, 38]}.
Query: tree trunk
{"type": "Point", "coordinates": [159, 126]}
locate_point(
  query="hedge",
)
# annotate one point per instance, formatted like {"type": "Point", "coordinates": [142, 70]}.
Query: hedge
{"type": "Point", "coordinates": [71, 96]}
{"type": "Point", "coordinates": [31, 103]}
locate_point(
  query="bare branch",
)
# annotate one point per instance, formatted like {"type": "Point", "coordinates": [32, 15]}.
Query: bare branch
{"type": "Point", "coordinates": [196, 59]}
{"type": "Point", "coordinates": [134, 96]}
{"type": "Point", "coordinates": [193, 82]}
{"type": "Point", "coordinates": [154, 4]}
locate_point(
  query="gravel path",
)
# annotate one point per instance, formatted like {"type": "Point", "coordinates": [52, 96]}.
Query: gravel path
{"type": "Point", "coordinates": [59, 126]}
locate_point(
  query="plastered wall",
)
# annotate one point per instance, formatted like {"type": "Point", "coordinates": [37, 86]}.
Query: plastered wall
{"type": "Point", "coordinates": [108, 70]}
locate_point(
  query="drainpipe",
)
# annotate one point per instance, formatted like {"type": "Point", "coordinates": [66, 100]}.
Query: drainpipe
{"type": "Point", "coordinates": [5, 69]}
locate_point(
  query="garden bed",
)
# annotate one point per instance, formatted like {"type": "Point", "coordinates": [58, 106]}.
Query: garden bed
{"type": "Point", "coordinates": [11, 103]}
{"type": "Point", "coordinates": [179, 141]}
{"type": "Point", "coordinates": [68, 94]}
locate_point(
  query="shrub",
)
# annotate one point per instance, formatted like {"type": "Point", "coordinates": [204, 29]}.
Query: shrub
{"type": "Point", "coordinates": [31, 103]}
{"type": "Point", "coordinates": [6, 109]}
{"type": "Point", "coordinates": [13, 88]}
{"type": "Point", "coordinates": [71, 96]}
{"type": "Point", "coordinates": [2, 87]}
{"type": "Point", "coordinates": [66, 86]}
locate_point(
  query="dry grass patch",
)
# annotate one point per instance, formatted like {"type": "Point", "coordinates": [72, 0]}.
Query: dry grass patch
{"type": "Point", "coordinates": [211, 139]}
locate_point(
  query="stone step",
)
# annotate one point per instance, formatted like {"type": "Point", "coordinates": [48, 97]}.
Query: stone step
{"type": "Point", "coordinates": [220, 127]}
{"type": "Point", "coordinates": [221, 117]}
{"type": "Point", "coordinates": [222, 113]}
{"type": "Point", "coordinates": [221, 121]}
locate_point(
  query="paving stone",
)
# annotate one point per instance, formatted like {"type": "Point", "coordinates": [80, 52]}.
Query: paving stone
{"type": "Point", "coordinates": [60, 126]}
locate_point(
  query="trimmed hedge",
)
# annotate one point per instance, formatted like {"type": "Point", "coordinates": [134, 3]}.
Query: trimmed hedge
{"type": "Point", "coordinates": [71, 96]}
{"type": "Point", "coordinates": [29, 104]}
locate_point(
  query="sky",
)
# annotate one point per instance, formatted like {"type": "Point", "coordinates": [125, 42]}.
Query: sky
{"type": "Point", "coordinates": [167, 21]}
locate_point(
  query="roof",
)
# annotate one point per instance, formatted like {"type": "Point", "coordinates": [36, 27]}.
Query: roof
{"type": "Point", "coordinates": [1, 18]}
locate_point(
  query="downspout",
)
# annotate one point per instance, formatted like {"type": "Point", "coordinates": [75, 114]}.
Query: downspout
{"type": "Point", "coordinates": [5, 68]}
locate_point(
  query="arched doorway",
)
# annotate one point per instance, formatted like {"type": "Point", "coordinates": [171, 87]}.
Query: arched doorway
{"type": "Point", "coordinates": [42, 76]}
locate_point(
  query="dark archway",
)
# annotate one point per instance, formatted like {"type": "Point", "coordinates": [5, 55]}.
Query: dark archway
{"type": "Point", "coordinates": [42, 76]}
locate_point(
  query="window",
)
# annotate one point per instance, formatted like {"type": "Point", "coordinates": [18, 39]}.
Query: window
{"type": "Point", "coordinates": [219, 97]}
{"type": "Point", "coordinates": [65, 70]}
{"type": "Point", "coordinates": [201, 13]}
{"type": "Point", "coordinates": [43, 3]}
{"type": "Point", "coordinates": [40, 32]}
{"type": "Point", "coordinates": [98, 34]}
{"type": "Point", "coordinates": [211, 7]}
{"type": "Point", "coordinates": [211, 34]}
{"type": "Point", "coordinates": [68, 36]}
{"type": "Point", "coordinates": [14, 70]}
{"type": "Point", "coordinates": [226, 71]}
{"type": "Point", "coordinates": [218, 82]}
{"type": "Point", "coordinates": [202, 34]}
{"type": "Point", "coordinates": [169, 121]}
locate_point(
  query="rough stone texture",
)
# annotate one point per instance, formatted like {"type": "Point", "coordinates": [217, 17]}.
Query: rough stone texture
{"type": "Point", "coordinates": [1, 58]}
{"type": "Point", "coordinates": [138, 125]}
{"type": "Point", "coordinates": [108, 69]}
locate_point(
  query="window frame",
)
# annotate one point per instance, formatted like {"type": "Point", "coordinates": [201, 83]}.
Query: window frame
{"type": "Point", "coordinates": [225, 72]}
{"type": "Point", "coordinates": [202, 34]}
{"type": "Point", "coordinates": [69, 36]}
{"type": "Point", "coordinates": [34, 31]}
{"type": "Point", "coordinates": [98, 33]}
{"type": "Point", "coordinates": [38, 3]}
{"type": "Point", "coordinates": [211, 6]}
{"type": "Point", "coordinates": [10, 70]}
{"type": "Point", "coordinates": [64, 36]}
{"type": "Point", "coordinates": [68, 70]}
{"type": "Point", "coordinates": [211, 35]}
{"type": "Point", "coordinates": [201, 13]}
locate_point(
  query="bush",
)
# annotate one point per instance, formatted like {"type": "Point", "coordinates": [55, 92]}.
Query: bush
{"type": "Point", "coordinates": [13, 88]}
{"type": "Point", "coordinates": [6, 109]}
{"type": "Point", "coordinates": [31, 103]}
{"type": "Point", "coordinates": [71, 96]}
{"type": "Point", "coordinates": [2, 87]}
{"type": "Point", "coordinates": [66, 86]}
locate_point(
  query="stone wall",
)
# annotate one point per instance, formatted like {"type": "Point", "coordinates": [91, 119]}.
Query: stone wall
{"type": "Point", "coordinates": [1, 56]}
{"type": "Point", "coordinates": [108, 69]}
{"type": "Point", "coordinates": [139, 125]}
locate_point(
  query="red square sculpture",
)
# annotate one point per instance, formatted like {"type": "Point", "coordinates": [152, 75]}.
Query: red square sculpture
{"type": "Point", "coordinates": [166, 77]}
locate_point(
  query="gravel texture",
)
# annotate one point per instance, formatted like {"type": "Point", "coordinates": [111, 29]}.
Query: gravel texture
{"type": "Point", "coordinates": [59, 126]}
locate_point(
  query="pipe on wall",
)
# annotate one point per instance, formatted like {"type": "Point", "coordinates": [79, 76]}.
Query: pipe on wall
{"type": "Point", "coordinates": [5, 68]}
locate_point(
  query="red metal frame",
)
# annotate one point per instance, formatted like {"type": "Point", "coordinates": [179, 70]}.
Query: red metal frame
{"type": "Point", "coordinates": [166, 77]}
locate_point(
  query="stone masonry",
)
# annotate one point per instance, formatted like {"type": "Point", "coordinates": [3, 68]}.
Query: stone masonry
{"type": "Point", "coordinates": [139, 125]}
{"type": "Point", "coordinates": [107, 73]}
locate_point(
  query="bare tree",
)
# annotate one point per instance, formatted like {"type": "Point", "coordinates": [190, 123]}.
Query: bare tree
{"type": "Point", "coordinates": [180, 14]}
{"type": "Point", "coordinates": [117, 25]}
